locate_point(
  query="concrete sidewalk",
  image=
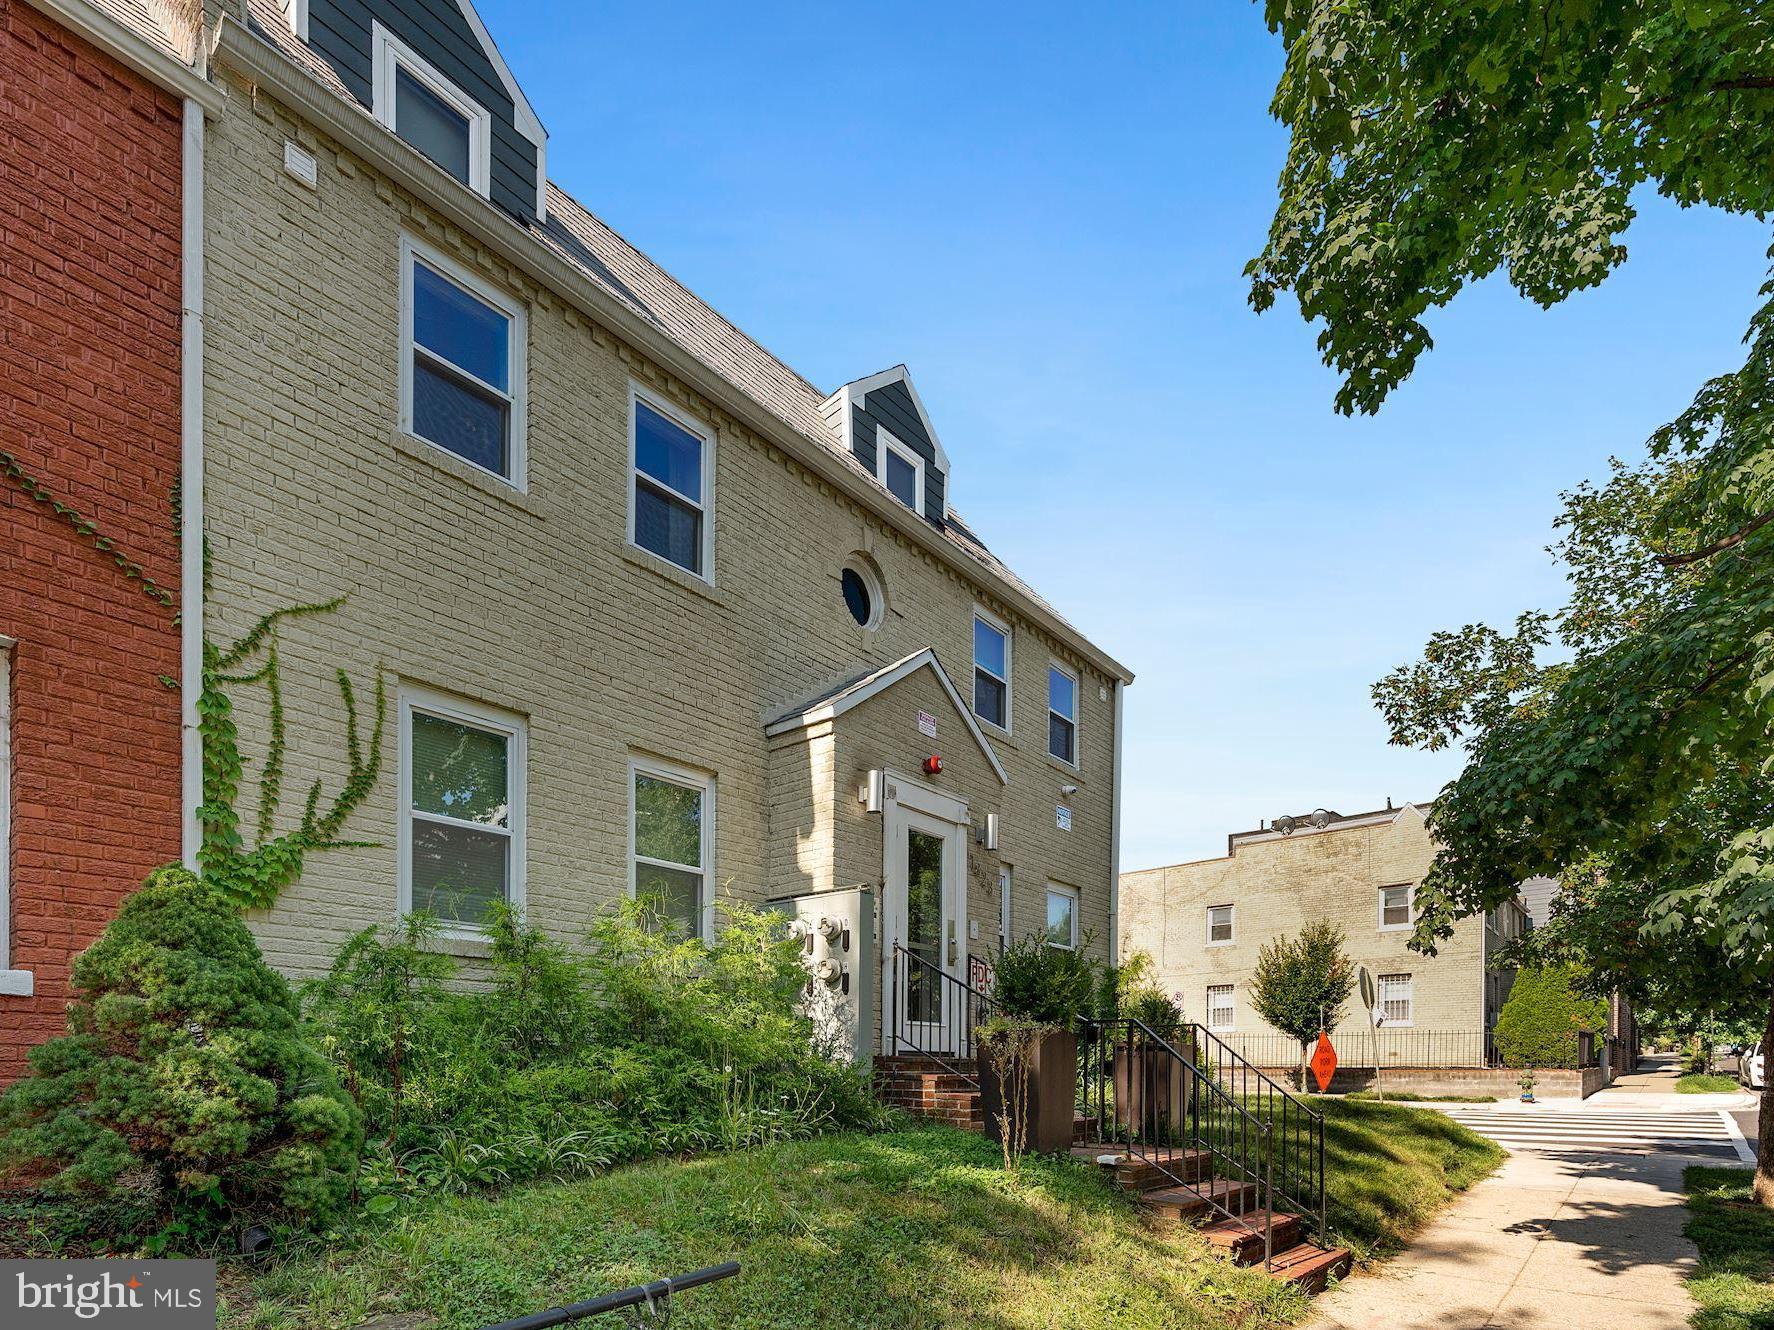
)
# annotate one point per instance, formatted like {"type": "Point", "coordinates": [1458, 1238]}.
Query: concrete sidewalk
{"type": "Point", "coordinates": [1551, 1240]}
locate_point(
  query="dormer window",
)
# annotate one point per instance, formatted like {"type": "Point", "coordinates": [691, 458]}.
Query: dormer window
{"type": "Point", "coordinates": [902, 472]}
{"type": "Point", "coordinates": [429, 112]}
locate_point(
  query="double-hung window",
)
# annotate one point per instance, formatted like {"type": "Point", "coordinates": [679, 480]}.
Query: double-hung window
{"type": "Point", "coordinates": [901, 470]}
{"type": "Point", "coordinates": [991, 670]}
{"type": "Point", "coordinates": [1395, 908]}
{"type": "Point", "coordinates": [1062, 917]}
{"type": "Point", "coordinates": [1396, 1007]}
{"type": "Point", "coordinates": [672, 462]}
{"type": "Point", "coordinates": [1062, 714]}
{"type": "Point", "coordinates": [462, 809]}
{"type": "Point", "coordinates": [1219, 1008]}
{"type": "Point", "coordinates": [412, 98]}
{"type": "Point", "coordinates": [462, 365]}
{"type": "Point", "coordinates": [1219, 925]}
{"type": "Point", "coordinates": [673, 820]}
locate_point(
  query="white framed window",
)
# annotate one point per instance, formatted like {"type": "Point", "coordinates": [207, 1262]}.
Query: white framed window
{"type": "Point", "coordinates": [1395, 999]}
{"type": "Point", "coordinates": [991, 669]}
{"type": "Point", "coordinates": [671, 479]}
{"type": "Point", "coordinates": [1219, 925]}
{"type": "Point", "coordinates": [13, 983]}
{"type": "Point", "coordinates": [1062, 714]}
{"type": "Point", "coordinates": [1062, 916]}
{"type": "Point", "coordinates": [461, 835]}
{"type": "Point", "coordinates": [1005, 873]}
{"type": "Point", "coordinates": [671, 842]}
{"type": "Point", "coordinates": [900, 469]}
{"type": "Point", "coordinates": [1220, 1015]}
{"type": "Point", "coordinates": [410, 97]}
{"type": "Point", "coordinates": [462, 363]}
{"type": "Point", "coordinates": [1395, 908]}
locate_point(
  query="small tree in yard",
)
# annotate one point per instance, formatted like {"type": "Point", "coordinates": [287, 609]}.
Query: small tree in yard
{"type": "Point", "coordinates": [184, 1073]}
{"type": "Point", "coordinates": [1302, 982]}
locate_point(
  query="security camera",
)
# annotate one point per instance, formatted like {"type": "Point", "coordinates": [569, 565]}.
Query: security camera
{"type": "Point", "coordinates": [1068, 789]}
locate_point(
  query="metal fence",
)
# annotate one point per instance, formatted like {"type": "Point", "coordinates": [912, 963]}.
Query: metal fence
{"type": "Point", "coordinates": [1359, 1048]}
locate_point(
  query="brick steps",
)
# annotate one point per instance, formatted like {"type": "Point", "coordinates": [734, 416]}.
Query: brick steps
{"type": "Point", "coordinates": [943, 1093]}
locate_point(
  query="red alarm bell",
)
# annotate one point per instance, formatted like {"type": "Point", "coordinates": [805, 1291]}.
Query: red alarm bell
{"type": "Point", "coordinates": [933, 765]}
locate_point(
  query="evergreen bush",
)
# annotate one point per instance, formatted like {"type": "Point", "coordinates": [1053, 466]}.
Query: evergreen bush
{"type": "Point", "coordinates": [1047, 985]}
{"type": "Point", "coordinates": [1542, 1016]}
{"type": "Point", "coordinates": [185, 1073]}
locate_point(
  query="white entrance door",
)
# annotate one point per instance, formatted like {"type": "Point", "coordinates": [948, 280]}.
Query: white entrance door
{"type": "Point", "coordinates": [925, 873]}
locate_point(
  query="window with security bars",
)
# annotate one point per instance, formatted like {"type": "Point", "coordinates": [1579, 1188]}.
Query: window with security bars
{"type": "Point", "coordinates": [1219, 1008]}
{"type": "Point", "coordinates": [1396, 1004]}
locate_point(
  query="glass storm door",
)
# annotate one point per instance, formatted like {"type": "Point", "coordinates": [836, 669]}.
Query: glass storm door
{"type": "Point", "coordinates": [925, 869]}
{"type": "Point", "coordinates": [923, 927]}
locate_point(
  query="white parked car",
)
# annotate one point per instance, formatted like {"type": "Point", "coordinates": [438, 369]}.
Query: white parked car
{"type": "Point", "coordinates": [1752, 1069]}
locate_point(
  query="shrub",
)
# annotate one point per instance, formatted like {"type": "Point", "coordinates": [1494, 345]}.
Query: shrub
{"type": "Point", "coordinates": [1540, 1019]}
{"type": "Point", "coordinates": [184, 1071]}
{"type": "Point", "coordinates": [1047, 985]}
{"type": "Point", "coordinates": [568, 1060]}
{"type": "Point", "coordinates": [1131, 990]}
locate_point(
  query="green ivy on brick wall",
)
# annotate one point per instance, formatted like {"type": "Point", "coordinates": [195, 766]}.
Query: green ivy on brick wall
{"type": "Point", "coordinates": [249, 875]}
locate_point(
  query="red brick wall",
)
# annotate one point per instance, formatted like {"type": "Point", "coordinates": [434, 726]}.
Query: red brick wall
{"type": "Point", "coordinates": [89, 404]}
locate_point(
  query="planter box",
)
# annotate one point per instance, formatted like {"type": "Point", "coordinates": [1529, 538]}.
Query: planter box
{"type": "Point", "coordinates": [1053, 1082]}
{"type": "Point", "coordinates": [1152, 1093]}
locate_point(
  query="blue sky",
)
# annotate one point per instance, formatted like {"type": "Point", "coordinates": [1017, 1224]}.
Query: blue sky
{"type": "Point", "coordinates": [1046, 220]}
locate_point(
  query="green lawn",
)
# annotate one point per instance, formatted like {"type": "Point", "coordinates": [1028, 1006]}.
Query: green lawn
{"type": "Point", "coordinates": [919, 1228]}
{"type": "Point", "coordinates": [1734, 1283]}
{"type": "Point", "coordinates": [1367, 1096]}
{"type": "Point", "coordinates": [1697, 1082]}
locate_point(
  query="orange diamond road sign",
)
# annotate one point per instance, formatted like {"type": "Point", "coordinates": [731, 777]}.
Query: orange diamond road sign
{"type": "Point", "coordinates": [1324, 1062]}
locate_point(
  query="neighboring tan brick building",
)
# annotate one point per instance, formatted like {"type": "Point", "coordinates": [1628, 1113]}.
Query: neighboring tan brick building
{"type": "Point", "coordinates": [90, 286]}
{"type": "Point", "coordinates": [651, 608]}
{"type": "Point", "coordinates": [1203, 924]}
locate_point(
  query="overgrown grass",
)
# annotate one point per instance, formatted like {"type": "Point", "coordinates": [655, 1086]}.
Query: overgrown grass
{"type": "Point", "coordinates": [911, 1229]}
{"type": "Point", "coordinates": [918, 1228]}
{"type": "Point", "coordinates": [1699, 1082]}
{"type": "Point", "coordinates": [1734, 1283]}
{"type": "Point", "coordinates": [1389, 1168]}
{"type": "Point", "coordinates": [1371, 1096]}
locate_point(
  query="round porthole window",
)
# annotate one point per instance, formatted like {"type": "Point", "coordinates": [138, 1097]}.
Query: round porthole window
{"type": "Point", "coordinates": [862, 593]}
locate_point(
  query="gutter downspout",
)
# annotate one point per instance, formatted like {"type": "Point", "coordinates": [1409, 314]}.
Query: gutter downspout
{"type": "Point", "coordinates": [1115, 836]}
{"type": "Point", "coordinates": [191, 482]}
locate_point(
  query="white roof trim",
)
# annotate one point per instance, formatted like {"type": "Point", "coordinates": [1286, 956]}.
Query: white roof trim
{"type": "Point", "coordinates": [870, 685]}
{"type": "Point", "coordinates": [853, 392]}
{"type": "Point", "coordinates": [524, 116]}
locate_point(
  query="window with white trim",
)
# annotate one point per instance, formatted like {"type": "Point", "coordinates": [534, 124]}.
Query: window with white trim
{"type": "Point", "coordinates": [15, 983]}
{"type": "Point", "coordinates": [1220, 1017]}
{"type": "Point", "coordinates": [462, 364]}
{"type": "Point", "coordinates": [991, 670]}
{"type": "Point", "coordinates": [1062, 714]}
{"type": "Point", "coordinates": [1395, 908]}
{"type": "Point", "coordinates": [461, 809]}
{"type": "Point", "coordinates": [672, 819]}
{"type": "Point", "coordinates": [901, 470]}
{"type": "Point", "coordinates": [433, 115]}
{"type": "Point", "coordinates": [672, 458]}
{"type": "Point", "coordinates": [1219, 925]}
{"type": "Point", "coordinates": [1395, 1000]}
{"type": "Point", "coordinates": [1062, 917]}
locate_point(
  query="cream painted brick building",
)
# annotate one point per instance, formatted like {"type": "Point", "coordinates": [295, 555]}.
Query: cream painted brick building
{"type": "Point", "coordinates": [542, 644]}
{"type": "Point", "coordinates": [1203, 924]}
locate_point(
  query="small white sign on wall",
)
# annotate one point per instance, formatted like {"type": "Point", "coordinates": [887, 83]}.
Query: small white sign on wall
{"type": "Point", "coordinates": [927, 724]}
{"type": "Point", "coordinates": [1062, 817]}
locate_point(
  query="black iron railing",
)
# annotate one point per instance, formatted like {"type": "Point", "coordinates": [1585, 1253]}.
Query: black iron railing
{"type": "Point", "coordinates": [1296, 1130]}
{"type": "Point", "coordinates": [1155, 1106]}
{"type": "Point", "coordinates": [935, 1015]}
{"type": "Point", "coordinates": [654, 1299]}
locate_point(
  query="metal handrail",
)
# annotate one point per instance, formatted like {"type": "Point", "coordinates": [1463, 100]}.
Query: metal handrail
{"type": "Point", "coordinates": [1222, 1129]}
{"type": "Point", "coordinates": [962, 1009]}
{"type": "Point", "coordinates": [1301, 1127]}
{"type": "Point", "coordinates": [648, 1295]}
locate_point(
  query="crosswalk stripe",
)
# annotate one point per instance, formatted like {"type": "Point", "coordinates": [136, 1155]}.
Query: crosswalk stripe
{"type": "Point", "coordinates": [1704, 1132]}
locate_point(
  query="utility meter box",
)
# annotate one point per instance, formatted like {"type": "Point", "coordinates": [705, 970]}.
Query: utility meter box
{"type": "Point", "coordinates": [836, 933]}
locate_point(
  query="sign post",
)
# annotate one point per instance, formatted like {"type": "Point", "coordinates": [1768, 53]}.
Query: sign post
{"type": "Point", "coordinates": [1370, 998]}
